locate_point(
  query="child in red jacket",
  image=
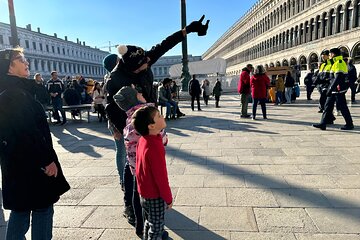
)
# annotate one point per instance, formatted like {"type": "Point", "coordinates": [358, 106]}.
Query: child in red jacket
{"type": "Point", "coordinates": [151, 173]}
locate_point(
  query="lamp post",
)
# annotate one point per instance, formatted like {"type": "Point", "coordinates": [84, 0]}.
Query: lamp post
{"type": "Point", "coordinates": [14, 34]}
{"type": "Point", "coordinates": [185, 68]}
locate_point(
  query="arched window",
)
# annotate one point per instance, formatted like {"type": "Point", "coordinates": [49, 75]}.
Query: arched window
{"type": "Point", "coordinates": [293, 8]}
{"type": "Point", "coordinates": [271, 64]}
{"type": "Point", "coordinates": [301, 33]}
{"type": "Point", "coordinates": [357, 13]}
{"type": "Point", "coordinates": [313, 61]}
{"type": "Point", "coordinates": [297, 6]}
{"type": "Point", "coordinates": [324, 25]}
{"type": "Point", "coordinates": [296, 36]}
{"type": "Point", "coordinates": [308, 3]}
{"type": "Point", "coordinates": [278, 64]}
{"type": "Point", "coordinates": [312, 30]}
{"type": "Point", "coordinates": [293, 61]}
{"type": "Point", "coordinates": [348, 15]}
{"type": "Point", "coordinates": [285, 11]}
{"type": "Point", "coordinates": [356, 53]}
{"type": "Point", "coordinates": [281, 13]}
{"type": "Point", "coordinates": [292, 37]}
{"type": "Point", "coordinates": [344, 50]}
{"type": "Point", "coordinates": [332, 23]}
{"type": "Point", "coordinates": [340, 21]}
{"type": "Point", "coordinates": [317, 27]}
{"type": "Point", "coordinates": [288, 39]}
{"type": "Point", "coordinates": [303, 63]}
{"type": "Point", "coordinates": [285, 63]}
{"type": "Point", "coordinates": [289, 9]}
{"type": "Point", "coordinates": [306, 32]}
{"type": "Point", "coordinates": [302, 5]}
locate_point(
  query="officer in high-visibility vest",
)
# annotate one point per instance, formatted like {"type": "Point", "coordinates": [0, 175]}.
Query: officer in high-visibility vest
{"type": "Point", "coordinates": [336, 92]}
{"type": "Point", "coordinates": [323, 78]}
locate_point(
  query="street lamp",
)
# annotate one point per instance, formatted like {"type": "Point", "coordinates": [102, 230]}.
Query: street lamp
{"type": "Point", "coordinates": [185, 68]}
{"type": "Point", "coordinates": [14, 34]}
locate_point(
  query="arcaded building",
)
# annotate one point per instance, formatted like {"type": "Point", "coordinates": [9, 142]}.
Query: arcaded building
{"type": "Point", "coordinates": [46, 53]}
{"type": "Point", "coordinates": [289, 33]}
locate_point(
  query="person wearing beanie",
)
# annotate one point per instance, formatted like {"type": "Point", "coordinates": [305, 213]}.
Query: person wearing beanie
{"type": "Point", "coordinates": [32, 179]}
{"type": "Point", "coordinates": [135, 64]}
{"type": "Point", "coordinates": [130, 100]}
{"type": "Point", "coordinates": [135, 68]}
{"type": "Point", "coordinates": [110, 62]}
{"type": "Point", "coordinates": [339, 84]}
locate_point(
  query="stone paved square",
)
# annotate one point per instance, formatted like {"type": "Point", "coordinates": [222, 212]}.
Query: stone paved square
{"type": "Point", "coordinates": [231, 178]}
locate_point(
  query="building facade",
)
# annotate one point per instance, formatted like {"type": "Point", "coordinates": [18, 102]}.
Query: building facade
{"type": "Point", "coordinates": [289, 33]}
{"type": "Point", "coordinates": [47, 53]}
{"type": "Point", "coordinates": [162, 66]}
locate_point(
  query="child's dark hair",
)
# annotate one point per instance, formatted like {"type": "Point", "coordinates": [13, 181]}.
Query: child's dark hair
{"type": "Point", "coordinates": [142, 118]}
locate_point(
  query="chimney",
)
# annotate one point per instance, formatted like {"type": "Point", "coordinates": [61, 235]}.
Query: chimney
{"type": "Point", "coordinates": [28, 27]}
{"type": "Point", "coordinates": [65, 38]}
{"type": "Point", "coordinates": [38, 30]}
{"type": "Point", "coordinates": [55, 35]}
{"type": "Point", "coordinates": [77, 41]}
{"type": "Point", "coordinates": [83, 43]}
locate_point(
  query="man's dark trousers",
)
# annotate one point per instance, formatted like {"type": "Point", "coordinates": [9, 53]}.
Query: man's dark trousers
{"type": "Point", "coordinates": [329, 107]}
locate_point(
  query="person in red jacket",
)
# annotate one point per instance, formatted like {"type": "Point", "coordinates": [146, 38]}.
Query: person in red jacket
{"type": "Point", "coordinates": [244, 89]}
{"type": "Point", "coordinates": [259, 83]}
{"type": "Point", "coordinates": [151, 174]}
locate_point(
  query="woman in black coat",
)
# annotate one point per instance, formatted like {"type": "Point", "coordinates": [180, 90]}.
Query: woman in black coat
{"type": "Point", "coordinates": [32, 179]}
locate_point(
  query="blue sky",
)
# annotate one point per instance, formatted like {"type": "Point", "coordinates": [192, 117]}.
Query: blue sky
{"type": "Point", "coordinates": [136, 22]}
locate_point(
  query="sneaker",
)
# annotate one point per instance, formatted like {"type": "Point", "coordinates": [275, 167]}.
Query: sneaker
{"type": "Point", "coordinates": [180, 115]}
{"type": "Point", "coordinates": [320, 111]}
{"type": "Point", "coordinates": [129, 215]}
{"type": "Point", "coordinates": [320, 126]}
{"type": "Point", "coordinates": [253, 118]}
{"type": "Point", "coordinates": [245, 116]}
{"type": "Point", "coordinates": [265, 118]}
{"type": "Point", "coordinates": [347, 127]}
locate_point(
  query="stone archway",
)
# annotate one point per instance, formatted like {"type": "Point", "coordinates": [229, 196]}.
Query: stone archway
{"type": "Point", "coordinates": [272, 64]}
{"type": "Point", "coordinates": [355, 53]}
{"type": "Point", "coordinates": [285, 63]}
{"type": "Point", "coordinates": [293, 61]}
{"type": "Point", "coordinates": [345, 51]}
{"type": "Point", "coordinates": [313, 61]}
{"type": "Point", "coordinates": [278, 64]}
{"type": "Point", "coordinates": [303, 62]}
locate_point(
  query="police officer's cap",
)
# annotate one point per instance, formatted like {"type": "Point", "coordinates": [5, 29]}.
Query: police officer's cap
{"type": "Point", "coordinates": [325, 52]}
{"type": "Point", "coordinates": [335, 51]}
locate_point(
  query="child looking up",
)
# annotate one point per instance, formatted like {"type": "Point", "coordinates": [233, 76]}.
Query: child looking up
{"type": "Point", "coordinates": [151, 174]}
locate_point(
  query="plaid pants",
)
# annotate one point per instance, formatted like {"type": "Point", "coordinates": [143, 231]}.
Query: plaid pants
{"type": "Point", "coordinates": [153, 212]}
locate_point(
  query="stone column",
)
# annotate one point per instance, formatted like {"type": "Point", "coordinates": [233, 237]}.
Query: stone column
{"type": "Point", "coordinates": [39, 65]}
{"type": "Point", "coordinates": [32, 64]}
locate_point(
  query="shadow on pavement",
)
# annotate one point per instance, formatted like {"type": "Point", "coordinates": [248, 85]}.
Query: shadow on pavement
{"type": "Point", "coordinates": [309, 197]}
{"type": "Point", "coordinates": [205, 124]}
{"type": "Point", "coordinates": [69, 137]}
{"type": "Point", "coordinates": [186, 228]}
